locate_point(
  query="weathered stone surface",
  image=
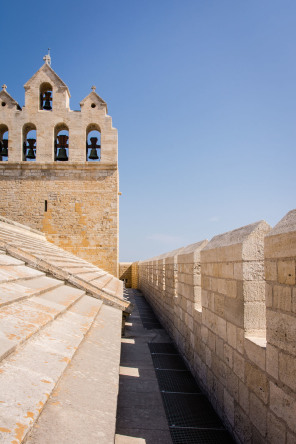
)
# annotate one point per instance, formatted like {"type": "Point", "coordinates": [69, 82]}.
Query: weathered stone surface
{"type": "Point", "coordinates": [30, 374]}
{"type": "Point", "coordinates": [83, 407]}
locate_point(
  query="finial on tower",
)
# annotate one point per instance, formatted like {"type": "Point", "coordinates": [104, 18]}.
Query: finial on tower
{"type": "Point", "coordinates": [93, 88]}
{"type": "Point", "coordinates": [4, 87]}
{"type": "Point", "coordinates": [47, 58]}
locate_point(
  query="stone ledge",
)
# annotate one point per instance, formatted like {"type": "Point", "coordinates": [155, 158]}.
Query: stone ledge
{"type": "Point", "coordinates": [57, 272]}
{"type": "Point", "coordinates": [18, 226]}
{"type": "Point", "coordinates": [58, 166]}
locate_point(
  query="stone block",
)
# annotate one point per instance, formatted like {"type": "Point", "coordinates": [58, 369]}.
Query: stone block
{"type": "Point", "coordinates": [255, 317]}
{"type": "Point", "coordinates": [258, 414]}
{"type": "Point", "coordinates": [231, 334]}
{"type": "Point", "coordinates": [257, 381]}
{"type": "Point", "coordinates": [272, 361]}
{"type": "Point", "coordinates": [280, 246]}
{"type": "Point", "coordinates": [270, 270]}
{"type": "Point", "coordinates": [253, 270]}
{"type": "Point", "coordinates": [239, 365]}
{"type": "Point", "coordinates": [219, 348]}
{"type": "Point", "coordinates": [244, 396]}
{"type": "Point", "coordinates": [231, 288]}
{"type": "Point", "coordinates": [229, 407]}
{"type": "Point", "coordinates": [211, 342]}
{"type": "Point", "coordinates": [238, 270]}
{"type": "Point", "coordinates": [240, 340]}
{"type": "Point", "coordinates": [228, 355]}
{"type": "Point", "coordinates": [276, 430]}
{"type": "Point", "coordinates": [242, 426]}
{"type": "Point", "coordinates": [234, 311]}
{"type": "Point", "coordinates": [219, 305]}
{"type": "Point", "coordinates": [208, 357]}
{"type": "Point", "coordinates": [281, 331]}
{"type": "Point", "coordinates": [221, 328]}
{"type": "Point", "coordinates": [283, 405]}
{"type": "Point", "coordinates": [232, 382]}
{"type": "Point", "coordinates": [282, 297]}
{"type": "Point", "coordinates": [287, 370]}
{"type": "Point", "coordinates": [254, 291]}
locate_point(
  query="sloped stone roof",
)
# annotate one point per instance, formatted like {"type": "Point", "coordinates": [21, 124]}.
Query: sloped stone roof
{"type": "Point", "coordinates": [32, 247]}
{"type": "Point", "coordinates": [59, 346]}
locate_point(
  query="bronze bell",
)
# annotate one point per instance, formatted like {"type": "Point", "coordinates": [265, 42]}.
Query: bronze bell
{"type": "Point", "coordinates": [4, 151]}
{"type": "Point", "coordinates": [47, 100]}
{"type": "Point", "coordinates": [31, 154]}
{"type": "Point", "coordinates": [93, 145]}
{"type": "Point", "coordinates": [62, 145]}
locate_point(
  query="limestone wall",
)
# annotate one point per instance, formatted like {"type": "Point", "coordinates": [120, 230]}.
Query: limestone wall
{"type": "Point", "coordinates": [128, 272]}
{"type": "Point", "coordinates": [74, 202]}
{"type": "Point", "coordinates": [82, 206]}
{"type": "Point", "coordinates": [229, 304]}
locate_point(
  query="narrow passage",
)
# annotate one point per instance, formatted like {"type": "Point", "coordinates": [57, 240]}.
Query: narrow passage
{"type": "Point", "coordinates": [159, 400]}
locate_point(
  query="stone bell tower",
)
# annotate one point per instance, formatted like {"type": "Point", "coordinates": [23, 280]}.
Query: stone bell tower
{"type": "Point", "coordinates": [59, 168]}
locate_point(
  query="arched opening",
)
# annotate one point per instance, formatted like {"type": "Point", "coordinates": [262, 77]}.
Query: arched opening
{"type": "Point", "coordinates": [61, 143]}
{"type": "Point", "coordinates": [29, 142]}
{"type": "Point", "coordinates": [3, 143]}
{"type": "Point", "coordinates": [46, 96]}
{"type": "Point", "coordinates": [93, 143]}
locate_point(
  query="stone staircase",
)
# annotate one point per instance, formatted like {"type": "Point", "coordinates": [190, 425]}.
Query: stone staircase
{"type": "Point", "coordinates": [46, 329]}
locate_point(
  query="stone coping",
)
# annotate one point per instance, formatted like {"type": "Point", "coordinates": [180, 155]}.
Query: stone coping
{"type": "Point", "coordinates": [233, 237]}
{"type": "Point", "coordinates": [285, 225]}
{"type": "Point", "coordinates": [21, 226]}
{"type": "Point", "coordinates": [16, 234]}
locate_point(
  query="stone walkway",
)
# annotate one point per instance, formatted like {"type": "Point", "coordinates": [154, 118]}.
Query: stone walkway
{"type": "Point", "coordinates": [140, 414]}
{"type": "Point", "coordinates": [159, 400]}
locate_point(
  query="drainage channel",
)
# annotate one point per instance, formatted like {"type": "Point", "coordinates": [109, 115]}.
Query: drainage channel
{"type": "Point", "coordinates": [190, 416]}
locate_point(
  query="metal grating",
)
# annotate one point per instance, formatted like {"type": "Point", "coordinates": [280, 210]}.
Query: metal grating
{"type": "Point", "coordinates": [148, 318]}
{"type": "Point", "coordinates": [180, 381]}
{"type": "Point", "coordinates": [152, 326]}
{"type": "Point", "coordinates": [190, 410]}
{"type": "Point", "coordinates": [200, 436]}
{"type": "Point", "coordinates": [147, 315]}
{"type": "Point", "coordinates": [171, 362]}
{"type": "Point", "coordinates": [166, 347]}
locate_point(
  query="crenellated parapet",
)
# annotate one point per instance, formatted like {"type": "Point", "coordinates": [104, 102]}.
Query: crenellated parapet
{"type": "Point", "coordinates": [229, 304]}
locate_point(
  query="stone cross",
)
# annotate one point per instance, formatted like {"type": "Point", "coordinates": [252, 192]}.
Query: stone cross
{"type": "Point", "coordinates": [93, 88]}
{"type": "Point", "coordinates": [4, 87]}
{"type": "Point", "coordinates": [47, 58]}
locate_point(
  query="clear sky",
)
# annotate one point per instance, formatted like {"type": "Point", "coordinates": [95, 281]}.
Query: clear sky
{"type": "Point", "coordinates": [202, 93]}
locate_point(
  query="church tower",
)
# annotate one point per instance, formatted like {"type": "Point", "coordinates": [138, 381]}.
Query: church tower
{"type": "Point", "coordinates": [59, 168]}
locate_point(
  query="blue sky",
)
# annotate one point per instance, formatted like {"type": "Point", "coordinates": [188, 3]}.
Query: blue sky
{"type": "Point", "coordinates": [202, 93]}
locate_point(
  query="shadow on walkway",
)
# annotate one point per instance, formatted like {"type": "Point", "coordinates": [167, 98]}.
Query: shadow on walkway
{"type": "Point", "coordinates": [159, 401]}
